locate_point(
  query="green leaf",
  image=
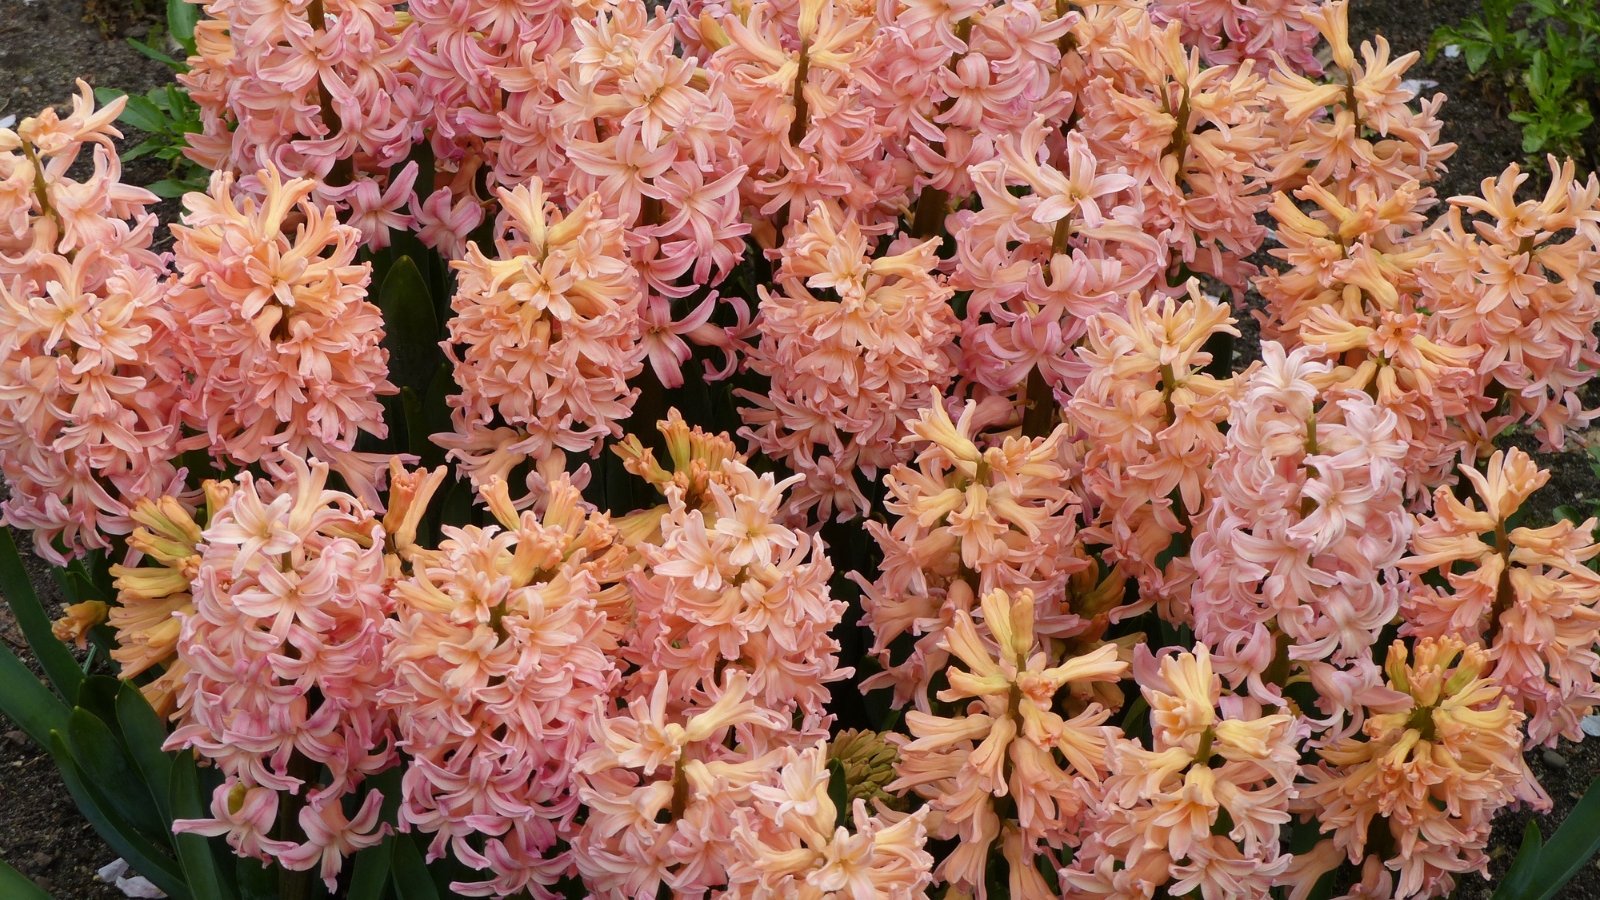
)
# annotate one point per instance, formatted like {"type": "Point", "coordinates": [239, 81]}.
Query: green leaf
{"type": "Point", "coordinates": [256, 882]}
{"type": "Point", "coordinates": [101, 756]}
{"type": "Point", "coordinates": [16, 886]}
{"type": "Point", "coordinates": [416, 421]}
{"type": "Point", "coordinates": [165, 59]}
{"type": "Point", "coordinates": [54, 657]}
{"type": "Point", "coordinates": [411, 330]}
{"type": "Point", "coordinates": [26, 701]}
{"type": "Point", "coordinates": [370, 880]}
{"type": "Point", "coordinates": [1542, 869]}
{"type": "Point", "coordinates": [1476, 54]}
{"type": "Point", "coordinates": [181, 20]}
{"type": "Point", "coordinates": [146, 858]}
{"type": "Point", "coordinates": [436, 410]}
{"type": "Point", "coordinates": [144, 734]}
{"type": "Point", "coordinates": [1519, 878]}
{"type": "Point", "coordinates": [1572, 846]}
{"type": "Point", "coordinates": [143, 115]}
{"type": "Point", "coordinates": [169, 188]}
{"type": "Point", "coordinates": [194, 850]}
{"type": "Point", "coordinates": [142, 149]}
{"type": "Point", "coordinates": [411, 878]}
{"type": "Point", "coordinates": [839, 793]}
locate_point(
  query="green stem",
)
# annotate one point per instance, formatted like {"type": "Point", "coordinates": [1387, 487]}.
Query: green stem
{"type": "Point", "coordinates": [41, 190]}
{"type": "Point", "coordinates": [1040, 418]}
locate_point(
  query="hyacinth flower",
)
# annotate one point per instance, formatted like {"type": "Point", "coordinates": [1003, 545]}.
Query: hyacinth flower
{"type": "Point", "coordinates": [959, 75]}
{"type": "Point", "coordinates": [1352, 292]}
{"type": "Point", "coordinates": [1149, 418]}
{"type": "Point", "coordinates": [1357, 127]}
{"type": "Point", "coordinates": [282, 658]}
{"type": "Point", "coordinates": [1294, 563]}
{"type": "Point", "coordinates": [852, 343]}
{"type": "Point", "coordinates": [500, 652]}
{"type": "Point", "coordinates": [154, 597]}
{"type": "Point", "coordinates": [795, 73]}
{"type": "Point", "coordinates": [318, 90]}
{"type": "Point", "coordinates": [281, 345]}
{"type": "Point", "coordinates": [88, 387]}
{"type": "Point", "coordinates": [662, 789]}
{"type": "Point", "coordinates": [1039, 266]}
{"type": "Point", "coordinates": [971, 518]}
{"type": "Point", "coordinates": [1438, 755]}
{"type": "Point", "coordinates": [730, 588]}
{"type": "Point", "coordinates": [1525, 594]}
{"type": "Point", "coordinates": [1193, 137]}
{"type": "Point", "coordinates": [1516, 281]}
{"type": "Point", "coordinates": [1003, 770]}
{"type": "Point", "coordinates": [795, 842]}
{"type": "Point", "coordinates": [623, 114]}
{"type": "Point", "coordinates": [696, 459]}
{"type": "Point", "coordinates": [1228, 33]}
{"type": "Point", "coordinates": [1205, 806]}
{"type": "Point", "coordinates": [544, 339]}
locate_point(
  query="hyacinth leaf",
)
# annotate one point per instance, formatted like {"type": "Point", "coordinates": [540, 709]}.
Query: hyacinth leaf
{"type": "Point", "coordinates": [16, 886]}
{"type": "Point", "coordinates": [416, 422]}
{"type": "Point", "coordinates": [411, 329]}
{"type": "Point", "coordinates": [182, 17]}
{"type": "Point", "coordinates": [145, 857]}
{"type": "Point", "coordinates": [1519, 878]}
{"type": "Point", "coordinates": [372, 866]}
{"type": "Point", "coordinates": [144, 734]}
{"type": "Point", "coordinates": [54, 657]}
{"type": "Point", "coordinates": [195, 852]}
{"type": "Point", "coordinates": [256, 882]}
{"type": "Point", "coordinates": [839, 793]}
{"type": "Point", "coordinates": [411, 878]}
{"type": "Point", "coordinates": [26, 701]}
{"type": "Point", "coordinates": [1551, 866]}
{"type": "Point", "coordinates": [100, 754]}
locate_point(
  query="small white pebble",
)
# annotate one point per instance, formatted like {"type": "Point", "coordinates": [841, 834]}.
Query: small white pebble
{"type": "Point", "coordinates": [136, 886]}
{"type": "Point", "coordinates": [8, 121]}
{"type": "Point", "coordinates": [1591, 726]}
{"type": "Point", "coordinates": [1416, 86]}
{"type": "Point", "coordinates": [1451, 51]}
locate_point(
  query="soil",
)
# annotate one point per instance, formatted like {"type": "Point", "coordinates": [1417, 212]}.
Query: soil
{"type": "Point", "coordinates": [41, 832]}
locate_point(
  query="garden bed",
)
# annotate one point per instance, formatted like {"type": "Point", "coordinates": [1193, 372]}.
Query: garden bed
{"type": "Point", "coordinates": [44, 46]}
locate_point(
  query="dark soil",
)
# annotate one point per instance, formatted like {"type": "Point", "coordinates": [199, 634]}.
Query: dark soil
{"type": "Point", "coordinates": [46, 44]}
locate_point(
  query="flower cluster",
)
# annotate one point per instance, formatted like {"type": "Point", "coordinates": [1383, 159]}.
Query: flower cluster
{"type": "Point", "coordinates": [283, 666]}
{"type": "Point", "coordinates": [1436, 758]}
{"type": "Point", "coordinates": [283, 346]}
{"type": "Point", "coordinates": [497, 653]}
{"type": "Point", "coordinates": [1006, 770]}
{"type": "Point", "coordinates": [1525, 594]}
{"type": "Point", "coordinates": [544, 339]}
{"type": "Point", "coordinates": [1204, 806]}
{"type": "Point", "coordinates": [88, 393]}
{"type": "Point", "coordinates": [848, 367]}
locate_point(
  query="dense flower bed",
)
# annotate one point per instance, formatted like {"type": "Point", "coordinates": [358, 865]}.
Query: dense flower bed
{"type": "Point", "coordinates": [777, 448]}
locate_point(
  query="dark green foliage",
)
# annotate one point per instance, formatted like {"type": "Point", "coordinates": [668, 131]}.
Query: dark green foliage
{"type": "Point", "coordinates": [1546, 54]}
{"type": "Point", "coordinates": [166, 115]}
{"type": "Point", "coordinates": [1542, 869]}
